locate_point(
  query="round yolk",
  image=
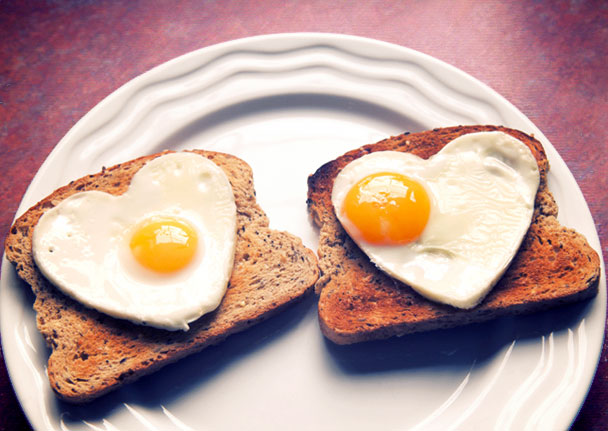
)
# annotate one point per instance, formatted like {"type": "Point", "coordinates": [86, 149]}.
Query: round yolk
{"type": "Point", "coordinates": [387, 209]}
{"type": "Point", "coordinates": [164, 245]}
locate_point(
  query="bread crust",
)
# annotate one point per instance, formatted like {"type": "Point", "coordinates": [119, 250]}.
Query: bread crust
{"type": "Point", "coordinates": [93, 353]}
{"type": "Point", "coordinates": [358, 302]}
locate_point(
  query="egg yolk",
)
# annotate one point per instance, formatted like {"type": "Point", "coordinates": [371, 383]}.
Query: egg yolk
{"type": "Point", "coordinates": [164, 245]}
{"type": "Point", "coordinates": [387, 209]}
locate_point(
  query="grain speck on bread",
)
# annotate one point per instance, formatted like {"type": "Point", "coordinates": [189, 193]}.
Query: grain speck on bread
{"type": "Point", "coordinates": [93, 354]}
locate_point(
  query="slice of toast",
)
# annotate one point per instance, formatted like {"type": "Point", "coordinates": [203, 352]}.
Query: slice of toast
{"type": "Point", "coordinates": [93, 353]}
{"type": "Point", "coordinates": [358, 302]}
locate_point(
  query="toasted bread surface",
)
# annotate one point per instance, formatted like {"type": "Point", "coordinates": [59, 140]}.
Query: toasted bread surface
{"type": "Point", "coordinates": [358, 302]}
{"type": "Point", "coordinates": [93, 353]}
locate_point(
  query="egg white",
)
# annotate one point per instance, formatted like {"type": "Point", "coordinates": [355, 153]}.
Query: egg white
{"type": "Point", "coordinates": [482, 188]}
{"type": "Point", "coordinates": [82, 244]}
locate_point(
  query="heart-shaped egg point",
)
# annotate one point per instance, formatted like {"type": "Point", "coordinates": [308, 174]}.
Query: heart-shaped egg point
{"type": "Point", "coordinates": [481, 189]}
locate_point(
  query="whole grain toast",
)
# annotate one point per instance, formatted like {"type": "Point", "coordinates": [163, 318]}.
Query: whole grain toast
{"type": "Point", "coordinates": [93, 353]}
{"type": "Point", "coordinates": [358, 302]}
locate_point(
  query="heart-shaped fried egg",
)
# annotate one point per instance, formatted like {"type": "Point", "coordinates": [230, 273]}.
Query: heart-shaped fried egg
{"type": "Point", "coordinates": [160, 254]}
{"type": "Point", "coordinates": [447, 226]}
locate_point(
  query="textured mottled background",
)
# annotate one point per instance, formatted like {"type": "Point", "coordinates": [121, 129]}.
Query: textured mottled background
{"type": "Point", "coordinates": [59, 58]}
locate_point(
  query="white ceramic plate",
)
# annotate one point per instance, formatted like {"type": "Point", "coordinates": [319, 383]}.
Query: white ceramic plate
{"type": "Point", "coordinates": [287, 104]}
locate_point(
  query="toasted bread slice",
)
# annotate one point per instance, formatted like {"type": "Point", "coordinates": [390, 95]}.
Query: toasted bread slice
{"type": "Point", "coordinates": [93, 353]}
{"type": "Point", "coordinates": [358, 302]}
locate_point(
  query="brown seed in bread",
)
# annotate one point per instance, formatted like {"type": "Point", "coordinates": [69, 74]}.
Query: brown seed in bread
{"type": "Point", "coordinates": [358, 302]}
{"type": "Point", "coordinates": [93, 353]}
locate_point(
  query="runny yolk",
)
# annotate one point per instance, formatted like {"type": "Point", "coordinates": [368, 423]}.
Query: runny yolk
{"type": "Point", "coordinates": [387, 209]}
{"type": "Point", "coordinates": [164, 245]}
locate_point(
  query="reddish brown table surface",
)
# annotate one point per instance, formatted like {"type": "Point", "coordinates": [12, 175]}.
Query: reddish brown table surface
{"type": "Point", "coordinates": [549, 58]}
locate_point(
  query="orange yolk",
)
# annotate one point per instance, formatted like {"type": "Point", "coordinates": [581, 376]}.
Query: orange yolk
{"type": "Point", "coordinates": [164, 245]}
{"type": "Point", "coordinates": [387, 209]}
